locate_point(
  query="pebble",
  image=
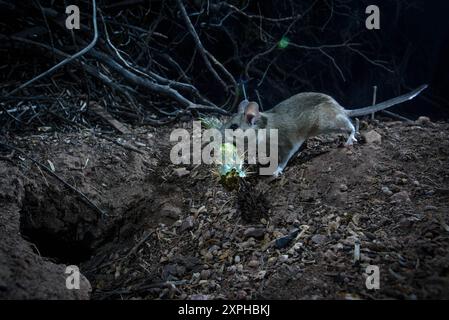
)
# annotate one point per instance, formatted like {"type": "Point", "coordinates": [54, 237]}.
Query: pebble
{"type": "Point", "coordinates": [412, 297]}
{"type": "Point", "coordinates": [339, 246]}
{"type": "Point", "coordinates": [241, 294]}
{"type": "Point", "coordinates": [208, 256]}
{"type": "Point", "coordinates": [430, 208]}
{"type": "Point", "coordinates": [247, 244]}
{"type": "Point", "coordinates": [183, 296]}
{"type": "Point", "coordinates": [242, 278]}
{"type": "Point", "coordinates": [200, 297]}
{"type": "Point", "coordinates": [318, 239]}
{"type": "Point", "coordinates": [387, 191]}
{"type": "Point", "coordinates": [253, 264]}
{"type": "Point", "coordinates": [213, 284]}
{"type": "Point", "coordinates": [214, 248]}
{"type": "Point", "coordinates": [181, 172]}
{"type": "Point", "coordinates": [423, 120]}
{"type": "Point", "coordinates": [285, 241]}
{"type": "Point", "coordinates": [372, 137]}
{"type": "Point", "coordinates": [205, 274]}
{"type": "Point", "coordinates": [206, 235]}
{"type": "Point", "coordinates": [330, 255]}
{"type": "Point", "coordinates": [237, 259]}
{"type": "Point", "coordinates": [187, 224]}
{"type": "Point", "coordinates": [283, 258]}
{"type": "Point", "coordinates": [256, 233]}
{"type": "Point", "coordinates": [232, 269]}
{"type": "Point", "coordinates": [400, 197]}
{"type": "Point", "coordinates": [272, 259]}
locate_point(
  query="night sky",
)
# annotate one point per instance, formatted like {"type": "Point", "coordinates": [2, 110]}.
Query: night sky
{"type": "Point", "coordinates": [419, 33]}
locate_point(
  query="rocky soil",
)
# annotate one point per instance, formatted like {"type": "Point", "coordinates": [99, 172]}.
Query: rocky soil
{"type": "Point", "coordinates": [174, 232]}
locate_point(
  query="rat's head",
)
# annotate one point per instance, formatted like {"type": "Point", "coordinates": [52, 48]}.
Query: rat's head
{"type": "Point", "coordinates": [247, 116]}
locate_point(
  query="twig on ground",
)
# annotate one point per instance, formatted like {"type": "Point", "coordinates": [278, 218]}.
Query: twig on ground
{"type": "Point", "coordinates": [374, 100]}
{"type": "Point", "coordinates": [49, 171]}
{"type": "Point", "coordinates": [395, 115]}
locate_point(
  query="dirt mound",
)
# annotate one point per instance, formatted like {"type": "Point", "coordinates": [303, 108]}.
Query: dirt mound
{"type": "Point", "coordinates": [171, 233]}
{"type": "Point", "coordinates": [24, 274]}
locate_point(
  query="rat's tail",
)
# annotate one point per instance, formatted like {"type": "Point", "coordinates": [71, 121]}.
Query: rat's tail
{"type": "Point", "coordinates": [386, 104]}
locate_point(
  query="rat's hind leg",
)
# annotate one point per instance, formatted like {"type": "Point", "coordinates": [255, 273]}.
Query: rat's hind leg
{"type": "Point", "coordinates": [351, 138]}
{"type": "Point", "coordinates": [334, 119]}
{"type": "Point", "coordinates": [344, 124]}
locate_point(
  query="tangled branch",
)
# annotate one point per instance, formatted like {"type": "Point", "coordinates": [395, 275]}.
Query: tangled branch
{"type": "Point", "coordinates": [156, 62]}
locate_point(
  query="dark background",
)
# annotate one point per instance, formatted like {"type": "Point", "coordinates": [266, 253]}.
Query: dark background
{"type": "Point", "coordinates": [413, 39]}
{"type": "Point", "coordinates": [417, 35]}
{"type": "Point", "coordinates": [413, 43]}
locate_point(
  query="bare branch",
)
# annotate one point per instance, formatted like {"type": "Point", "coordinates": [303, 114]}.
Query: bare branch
{"type": "Point", "coordinates": [198, 43]}
{"type": "Point", "coordinates": [69, 59]}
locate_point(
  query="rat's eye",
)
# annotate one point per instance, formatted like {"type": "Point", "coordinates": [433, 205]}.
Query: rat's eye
{"type": "Point", "coordinates": [234, 126]}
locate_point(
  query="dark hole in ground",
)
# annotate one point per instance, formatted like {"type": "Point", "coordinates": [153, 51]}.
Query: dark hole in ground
{"type": "Point", "coordinates": [54, 247]}
{"type": "Point", "coordinates": [63, 229]}
{"type": "Point", "coordinates": [59, 232]}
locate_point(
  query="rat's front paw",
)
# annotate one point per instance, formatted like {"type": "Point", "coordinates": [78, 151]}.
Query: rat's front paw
{"type": "Point", "coordinates": [350, 142]}
{"type": "Point", "coordinates": [278, 172]}
{"type": "Point", "coordinates": [276, 175]}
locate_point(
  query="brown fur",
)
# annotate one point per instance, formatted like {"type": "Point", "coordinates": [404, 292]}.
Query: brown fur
{"type": "Point", "coordinates": [302, 116]}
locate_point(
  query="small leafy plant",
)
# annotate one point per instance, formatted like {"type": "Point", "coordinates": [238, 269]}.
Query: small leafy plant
{"type": "Point", "coordinates": [230, 169]}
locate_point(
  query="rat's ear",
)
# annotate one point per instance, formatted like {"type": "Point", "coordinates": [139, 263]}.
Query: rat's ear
{"type": "Point", "coordinates": [252, 113]}
{"type": "Point", "coordinates": [242, 106]}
